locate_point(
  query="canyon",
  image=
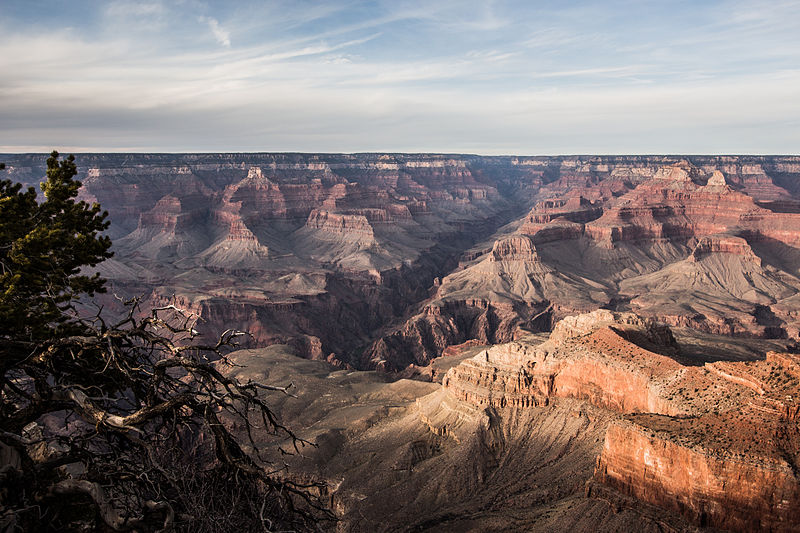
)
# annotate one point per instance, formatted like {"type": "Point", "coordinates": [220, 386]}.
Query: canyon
{"type": "Point", "coordinates": [588, 343]}
{"type": "Point", "coordinates": [612, 422]}
{"type": "Point", "coordinates": [384, 260]}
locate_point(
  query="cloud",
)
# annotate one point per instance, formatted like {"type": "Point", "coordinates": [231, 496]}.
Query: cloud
{"type": "Point", "coordinates": [121, 8]}
{"type": "Point", "coordinates": [339, 59]}
{"type": "Point", "coordinates": [401, 76]}
{"type": "Point", "coordinates": [222, 36]}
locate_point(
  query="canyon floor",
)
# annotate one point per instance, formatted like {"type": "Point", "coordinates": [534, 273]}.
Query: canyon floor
{"type": "Point", "coordinates": [587, 343]}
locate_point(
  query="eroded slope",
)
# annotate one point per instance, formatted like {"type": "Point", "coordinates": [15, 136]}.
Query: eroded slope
{"type": "Point", "coordinates": [611, 424]}
{"type": "Point", "coordinates": [718, 443]}
{"type": "Point", "coordinates": [683, 243]}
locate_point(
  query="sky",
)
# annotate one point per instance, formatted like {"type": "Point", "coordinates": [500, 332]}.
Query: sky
{"type": "Point", "coordinates": [485, 77]}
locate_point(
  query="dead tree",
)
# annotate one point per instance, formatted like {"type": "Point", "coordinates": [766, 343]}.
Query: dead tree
{"type": "Point", "coordinates": [124, 427]}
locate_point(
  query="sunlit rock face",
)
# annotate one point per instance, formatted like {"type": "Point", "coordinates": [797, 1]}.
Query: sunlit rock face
{"type": "Point", "coordinates": [602, 357]}
{"type": "Point", "coordinates": [718, 443]}
{"type": "Point", "coordinates": [611, 422]}
{"type": "Point", "coordinates": [733, 466]}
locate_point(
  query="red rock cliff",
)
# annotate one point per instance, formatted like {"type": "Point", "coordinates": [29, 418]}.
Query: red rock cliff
{"type": "Point", "coordinates": [719, 444]}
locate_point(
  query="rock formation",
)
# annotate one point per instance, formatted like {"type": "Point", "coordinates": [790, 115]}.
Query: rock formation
{"type": "Point", "coordinates": [613, 423]}
{"type": "Point", "coordinates": [718, 443]}
{"type": "Point", "coordinates": [690, 242]}
{"type": "Point", "coordinates": [403, 456]}
{"type": "Point", "coordinates": [387, 259]}
{"type": "Point", "coordinates": [577, 302]}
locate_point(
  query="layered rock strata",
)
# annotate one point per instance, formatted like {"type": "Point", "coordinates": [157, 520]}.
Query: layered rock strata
{"type": "Point", "coordinates": [439, 249]}
{"type": "Point", "coordinates": [690, 243]}
{"type": "Point", "coordinates": [718, 443]}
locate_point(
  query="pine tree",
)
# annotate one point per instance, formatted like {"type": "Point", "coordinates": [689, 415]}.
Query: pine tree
{"type": "Point", "coordinates": [43, 247]}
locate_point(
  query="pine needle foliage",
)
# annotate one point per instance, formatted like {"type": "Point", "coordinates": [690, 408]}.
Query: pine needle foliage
{"type": "Point", "coordinates": [43, 248]}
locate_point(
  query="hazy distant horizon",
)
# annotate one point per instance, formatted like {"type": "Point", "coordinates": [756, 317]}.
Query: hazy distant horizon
{"type": "Point", "coordinates": [460, 77]}
{"type": "Point", "coordinates": [356, 153]}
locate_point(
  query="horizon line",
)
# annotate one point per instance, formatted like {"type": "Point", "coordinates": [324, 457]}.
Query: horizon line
{"type": "Point", "coordinates": [412, 152]}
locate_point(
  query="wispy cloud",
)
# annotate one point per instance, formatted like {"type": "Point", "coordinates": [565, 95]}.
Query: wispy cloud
{"type": "Point", "coordinates": [122, 8]}
{"type": "Point", "coordinates": [491, 56]}
{"type": "Point", "coordinates": [491, 77]}
{"type": "Point", "coordinates": [222, 36]}
{"type": "Point", "coordinates": [626, 70]}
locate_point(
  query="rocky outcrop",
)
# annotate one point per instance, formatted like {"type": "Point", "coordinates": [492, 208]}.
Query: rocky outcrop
{"type": "Point", "coordinates": [347, 225]}
{"type": "Point", "coordinates": [644, 329]}
{"type": "Point", "coordinates": [590, 357]}
{"type": "Point", "coordinates": [717, 443]}
{"type": "Point", "coordinates": [724, 244]}
{"type": "Point", "coordinates": [673, 206]}
{"type": "Point", "coordinates": [398, 455]}
{"type": "Point", "coordinates": [745, 493]}
{"type": "Point", "coordinates": [560, 218]}
{"type": "Point", "coordinates": [517, 248]}
{"type": "Point", "coordinates": [423, 337]}
{"type": "Point", "coordinates": [717, 179]}
{"type": "Point", "coordinates": [572, 208]}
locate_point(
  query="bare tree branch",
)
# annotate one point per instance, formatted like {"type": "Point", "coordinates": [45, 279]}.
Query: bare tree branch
{"type": "Point", "coordinates": [137, 399]}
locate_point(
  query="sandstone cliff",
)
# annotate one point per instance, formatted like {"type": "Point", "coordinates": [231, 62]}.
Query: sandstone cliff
{"type": "Point", "coordinates": [718, 443]}
{"type": "Point", "coordinates": [406, 456]}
